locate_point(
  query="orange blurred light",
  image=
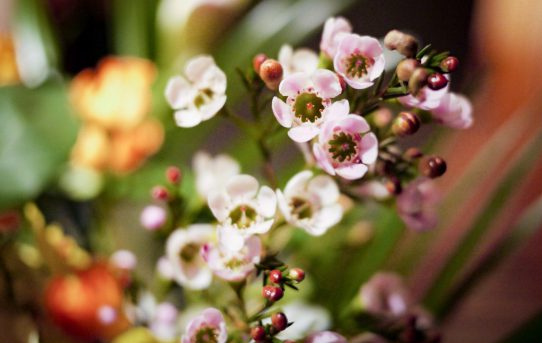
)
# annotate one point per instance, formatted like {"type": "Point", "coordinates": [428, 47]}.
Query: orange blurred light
{"type": "Point", "coordinates": [9, 73]}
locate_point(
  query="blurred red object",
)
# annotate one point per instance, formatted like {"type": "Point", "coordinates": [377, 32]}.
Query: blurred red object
{"type": "Point", "coordinates": [9, 221]}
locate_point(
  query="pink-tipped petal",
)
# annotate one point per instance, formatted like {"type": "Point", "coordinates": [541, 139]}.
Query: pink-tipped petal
{"type": "Point", "coordinates": [349, 44]}
{"type": "Point", "coordinates": [282, 112]}
{"type": "Point", "coordinates": [326, 83]}
{"type": "Point", "coordinates": [378, 68]}
{"type": "Point", "coordinates": [303, 133]}
{"type": "Point", "coordinates": [352, 172]}
{"type": "Point", "coordinates": [369, 148]}
{"type": "Point", "coordinates": [354, 124]}
{"type": "Point", "coordinates": [322, 159]}
{"type": "Point", "coordinates": [370, 46]}
{"type": "Point", "coordinates": [337, 110]}
{"type": "Point", "coordinates": [295, 83]}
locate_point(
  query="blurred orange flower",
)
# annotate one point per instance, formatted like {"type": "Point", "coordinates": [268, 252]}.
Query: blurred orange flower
{"type": "Point", "coordinates": [9, 74]}
{"type": "Point", "coordinates": [114, 102]}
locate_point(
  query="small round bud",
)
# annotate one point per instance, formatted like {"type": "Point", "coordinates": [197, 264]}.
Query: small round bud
{"type": "Point", "coordinates": [404, 43]}
{"type": "Point", "coordinates": [257, 62]}
{"type": "Point", "coordinates": [413, 153]}
{"type": "Point", "coordinates": [433, 167]}
{"type": "Point", "coordinates": [271, 73]}
{"type": "Point", "coordinates": [407, 123]}
{"type": "Point", "coordinates": [437, 81]}
{"type": "Point", "coordinates": [417, 80]}
{"type": "Point", "coordinates": [393, 185]}
{"type": "Point", "coordinates": [405, 68]}
{"type": "Point", "coordinates": [153, 217]}
{"type": "Point", "coordinates": [160, 193]}
{"type": "Point", "coordinates": [173, 175]}
{"type": "Point", "coordinates": [382, 117]}
{"type": "Point", "coordinates": [258, 333]}
{"type": "Point", "coordinates": [449, 64]}
{"type": "Point", "coordinates": [297, 274]}
{"type": "Point", "coordinates": [272, 293]}
{"type": "Point", "coordinates": [279, 321]}
{"type": "Point", "coordinates": [275, 276]}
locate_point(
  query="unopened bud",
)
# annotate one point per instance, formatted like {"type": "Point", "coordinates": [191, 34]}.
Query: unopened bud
{"type": "Point", "coordinates": [393, 185]}
{"type": "Point", "coordinates": [404, 43]}
{"type": "Point", "coordinates": [173, 175]}
{"type": "Point", "coordinates": [297, 274]}
{"type": "Point", "coordinates": [257, 62]}
{"type": "Point", "coordinates": [382, 117]}
{"type": "Point", "coordinates": [271, 73]}
{"type": "Point", "coordinates": [437, 81]}
{"type": "Point", "coordinates": [433, 167]}
{"type": "Point", "coordinates": [407, 123]}
{"type": "Point", "coordinates": [449, 64]}
{"type": "Point", "coordinates": [405, 68]}
{"type": "Point", "coordinates": [417, 80]}
{"type": "Point", "coordinates": [258, 333]}
{"type": "Point", "coordinates": [160, 193]}
{"type": "Point", "coordinates": [279, 321]}
{"type": "Point", "coordinates": [272, 293]}
{"type": "Point", "coordinates": [275, 276]}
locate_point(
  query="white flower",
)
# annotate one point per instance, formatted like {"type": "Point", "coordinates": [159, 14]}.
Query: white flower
{"type": "Point", "coordinates": [301, 60]}
{"type": "Point", "coordinates": [311, 203]}
{"type": "Point", "coordinates": [212, 173]}
{"type": "Point", "coordinates": [334, 31]}
{"type": "Point", "coordinates": [201, 96]}
{"type": "Point", "coordinates": [233, 265]}
{"type": "Point", "coordinates": [183, 252]}
{"type": "Point", "coordinates": [244, 207]}
{"type": "Point", "coordinates": [307, 318]}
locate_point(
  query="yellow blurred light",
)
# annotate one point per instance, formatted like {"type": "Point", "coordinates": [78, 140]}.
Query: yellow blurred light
{"type": "Point", "coordinates": [9, 74]}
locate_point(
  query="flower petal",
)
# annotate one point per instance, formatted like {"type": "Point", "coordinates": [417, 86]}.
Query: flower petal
{"type": "Point", "coordinates": [295, 83]}
{"type": "Point", "coordinates": [298, 183]}
{"type": "Point", "coordinates": [230, 238]}
{"type": "Point", "coordinates": [369, 148]}
{"type": "Point", "coordinates": [283, 205]}
{"type": "Point", "coordinates": [325, 188]}
{"type": "Point", "coordinates": [219, 204]}
{"type": "Point", "coordinates": [188, 117]}
{"type": "Point", "coordinates": [210, 108]}
{"type": "Point", "coordinates": [322, 159]}
{"type": "Point", "coordinates": [326, 83]}
{"type": "Point", "coordinates": [352, 172]}
{"type": "Point", "coordinates": [197, 67]}
{"type": "Point", "coordinates": [261, 228]}
{"type": "Point", "coordinates": [267, 202]}
{"type": "Point", "coordinates": [282, 112]}
{"type": "Point", "coordinates": [303, 133]}
{"type": "Point", "coordinates": [179, 92]}
{"type": "Point", "coordinates": [337, 110]}
{"type": "Point", "coordinates": [242, 186]}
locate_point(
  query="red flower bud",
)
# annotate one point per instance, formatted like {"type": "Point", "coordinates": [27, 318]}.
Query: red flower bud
{"type": "Point", "coordinates": [258, 334]}
{"type": "Point", "coordinates": [297, 274]}
{"type": "Point", "coordinates": [279, 321]}
{"type": "Point", "coordinates": [449, 64]}
{"type": "Point", "coordinates": [272, 293]}
{"type": "Point", "coordinates": [173, 175]}
{"type": "Point", "coordinates": [257, 62]}
{"type": "Point", "coordinates": [437, 81]}
{"type": "Point", "coordinates": [271, 73]}
{"type": "Point", "coordinates": [407, 123]}
{"type": "Point", "coordinates": [433, 167]}
{"type": "Point", "coordinates": [160, 193]}
{"type": "Point", "coordinates": [275, 276]}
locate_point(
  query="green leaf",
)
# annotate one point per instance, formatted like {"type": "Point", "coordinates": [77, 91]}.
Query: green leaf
{"type": "Point", "coordinates": [134, 27]}
{"type": "Point", "coordinates": [36, 135]}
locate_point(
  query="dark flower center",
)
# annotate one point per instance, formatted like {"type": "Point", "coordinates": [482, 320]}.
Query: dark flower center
{"type": "Point", "coordinates": [343, 147]}
{"type": "Point", "coordinates": [308, 107]}
{"type": "Point", "coordinates": [300, 208]}
{"type": "Point", "coordinates": [206, 334]}
{"type": "Point", "coordinates": [243, 216]}
{"type": "Point", "coordinates": [357, 65]}
{"type": "Point", "coordinates": [189, 252]}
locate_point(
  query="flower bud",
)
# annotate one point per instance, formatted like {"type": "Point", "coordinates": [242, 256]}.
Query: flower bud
{"type": "Point", "coordinates": [407, 123]}
{"type": "Point", "coordinates": [437, 81]}
{"type": "Point", "coordinates": [271, 73]}
{"type": "Point", "coordinates": [272, 293]}
{"type": "Point", "coordinates": [449, 64]}
{"type": "Point", "coordinates": [404, 43]}
{"type": "Point", "coordinates": [393, 185]}
{"type": "Point", "coordinates": [405, 68]}
{"type": "Point", "coordinates": [433, 167]}
{"type": "Point", "coordinates": [153, 217]}
{"type": "Point", "coordinates": [382, 117]}
{"type": "Point", "coordinates": [257, 62]}
{"type": "Point", "coordinates": [258, 333]}
{"type": "Point", "coordinates": [275, 276]}
{"type": "Point", "coordinates": [417, 80]}
{"type": "Point", "coordinates": [160, 193]}
{"type": "Point", "coordinates": [279, 321]}
{"type": "Point", "coordinates": [173, 175]}
{"type": "Point", "coordinates": [297, 274]}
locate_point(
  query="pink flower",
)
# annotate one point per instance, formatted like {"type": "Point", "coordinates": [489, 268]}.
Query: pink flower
{"type": "Point", "coordinates": [308, 96]}
{"type": "Point", "coordinates": [360, 60]}
{"type": "Point", "coordinates": [153, 217]}
{"type": "Point", "coordinates": [345, 146]}
{"type": "Point", "coordinates": [233, 265]}
{"type": "Point", "coordinates": [426, 99]}
{"type": "Point", "coordinates": [334, 30]}
{"type": "Point", "coordinates": [311, 202]}
{"type": "Point", "coordinates": [386, 294]}
{"type": "Point", "coordinates": [124, 259]}
{"type": "Point", "coordinates": [299, 61]}
{"type": "Point", "coordinates": [454, 110]}
{"type": "Point", "coordinates": [325, 337]}
{"type": "Point", "coordinates": [164, 321]}
{"type": "Point", "coordinates": [416, 204]}
{"type": "Point", "coordinates": [209, 326]}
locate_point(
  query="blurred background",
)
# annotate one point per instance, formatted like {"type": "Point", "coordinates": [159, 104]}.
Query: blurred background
{"type": "Point", "coordinates": [480, 271]}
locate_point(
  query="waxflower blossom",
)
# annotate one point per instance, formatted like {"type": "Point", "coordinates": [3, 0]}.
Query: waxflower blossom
{"type": "Point", "coordinates": [308, 97]}
{"type": "Point", "coordinates": [386, 294]}
{"type": "Point", "coordinates": [416, 204]}
{"type": "Point", "coordinates": [325, 337]}
{"type": "Point", "coordinates": [183, 251]}
{"type": "Point", "coordinates": [311, 203]}
{"type": "Point", "coordinates": [233, 265]}
{"type": "Point", "coordinates": [360, 60]}
{"type": "Point", "coordinates": [335, 29]}
{"type": "Point", "coordinates": [345, 146]}
{"type": "Point", "coordinates": [209, 326]}
{"type": "Point", "coordinates": [212, 173]}
{"type": "Point", "coordinates": [244, 206]}
{"type": "Point", "coordinates": [454, 110]}
{"type": "Point", "coordinates": [297, 61]}
{"type": "Point", "coordinates": [426, 98]}
{"type": "Point", "coordinates": [201, 95]}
